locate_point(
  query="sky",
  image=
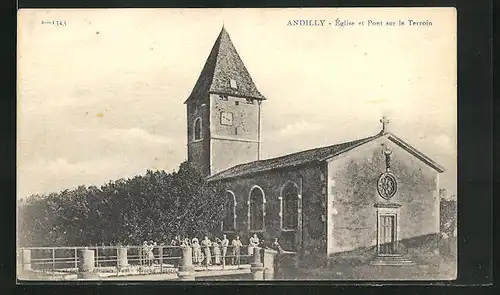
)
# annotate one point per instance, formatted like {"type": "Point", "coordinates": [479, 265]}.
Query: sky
{"type": "Point", "coordinates": [101, 98]}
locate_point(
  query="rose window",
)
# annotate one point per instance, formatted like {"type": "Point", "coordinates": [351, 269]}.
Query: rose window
{"type": "Point", "coordinates": [387, 185]}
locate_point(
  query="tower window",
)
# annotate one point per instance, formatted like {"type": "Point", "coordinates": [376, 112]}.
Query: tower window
{"type": "Point", "coordinates": [197, 129]}
{"type": "Point", "coordinates": [223, 97]}
{"type": "Point", "coordinates": [250, 100]}
{"type": "Point", "coordinates": [233, 84]}
{"type": "Point", "coordinates": [235, 130]}
{"type": "Point", "coordinates": [237, 103]}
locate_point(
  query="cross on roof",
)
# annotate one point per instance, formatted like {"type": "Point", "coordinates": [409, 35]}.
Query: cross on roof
{"type": "Point", "coordinates": [384, 122]}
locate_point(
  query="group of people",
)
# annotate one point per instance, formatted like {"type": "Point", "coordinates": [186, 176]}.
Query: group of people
{"type": "Point", "coordinates": [218, 248]}
{"type": "Point", "coordinates": [203, 251]}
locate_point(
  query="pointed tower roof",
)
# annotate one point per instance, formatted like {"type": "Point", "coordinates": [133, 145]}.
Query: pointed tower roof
{"type": "Point", "coordinates": [223, 65]}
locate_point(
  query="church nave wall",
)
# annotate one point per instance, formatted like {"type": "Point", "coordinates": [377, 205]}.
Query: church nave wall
{"type": "Point", "coordinates": [313, 210]}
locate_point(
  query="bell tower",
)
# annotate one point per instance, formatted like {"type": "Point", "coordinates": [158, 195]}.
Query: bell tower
{"type": "Point", "coordinates": [223, 112]}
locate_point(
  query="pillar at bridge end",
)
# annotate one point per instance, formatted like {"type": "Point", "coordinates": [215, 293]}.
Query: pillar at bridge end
{"type": "Point", "coordinates": [186, 268]}
{"type": "Point", "coordinates": [86, 265]}
{"type": "Point", "coordinates": [257, 268]}
{"type": "Point", "coordinates": [269, 263]}
{"type": "Point", "coordinates": [26, 259]}
{"type": "Point", "coordinates": [122, 259]}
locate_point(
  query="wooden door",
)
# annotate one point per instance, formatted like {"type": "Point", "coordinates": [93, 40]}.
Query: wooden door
{"type": "Point", "coordinates": [387, 234]}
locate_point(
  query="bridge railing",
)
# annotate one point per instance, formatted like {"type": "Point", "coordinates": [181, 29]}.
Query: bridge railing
{"type": "Point", "coordinates": [128, 259]}
{"type": "Point", "coordinates": [222, 256]}
{"type": "Point", "coordinates": [136, 259]}
{"type": "Point", "coordinates": [48, 259]}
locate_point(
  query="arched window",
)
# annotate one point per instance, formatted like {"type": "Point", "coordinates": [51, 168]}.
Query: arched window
{"type": "Point", "coordinates": [256, 203]}
{"type": "Point", "coordinates": [290, 213]}
{"type": "Point", "coordinates": [197, 129]}
{"type": "Point", "coordinates": [228, 224]}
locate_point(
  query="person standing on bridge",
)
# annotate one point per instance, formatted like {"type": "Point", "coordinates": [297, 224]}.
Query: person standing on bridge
{"type": "Point", "coordinates": [276, 246]}
{"type": "Point", "coordinates": [143, 253]}
{"type": "Point", "coordinates": [254, 243]}
{"type": "Point", "coordinates": [150, 254]}
{"type": "Point", "coordinates": [224, 243]}
{"type": "Point", "coordinates": [175, 241]}
{"type": "Point", "coordinates": [196, 251]}
{"type": "Point", "coordinates": [236, 243]}
{"type": "Point", "coordinates": [215, 245]}
{"type": "Point", "coordinates": [206, 243]}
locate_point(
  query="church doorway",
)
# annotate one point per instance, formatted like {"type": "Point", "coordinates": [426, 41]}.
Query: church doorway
{"type": "Point", "coordinates": [387, 238]}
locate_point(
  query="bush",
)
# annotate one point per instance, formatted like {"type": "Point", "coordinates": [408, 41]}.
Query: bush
{"type": "Point", "coordinates": [448, 216]}
{"type": "Point", "coordinates": [156, 206]}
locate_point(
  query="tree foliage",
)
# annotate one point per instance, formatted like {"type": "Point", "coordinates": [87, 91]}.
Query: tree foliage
{"type": "Point", "coordinates": [448, 215]}
{"type": "Point", "coordinates": [155, 206]}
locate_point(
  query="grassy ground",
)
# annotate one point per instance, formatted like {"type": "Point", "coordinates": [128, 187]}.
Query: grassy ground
{"type": "Point", "coordinates": [445, 269]}
{"type": "Point", "coordinates": [440, 271]}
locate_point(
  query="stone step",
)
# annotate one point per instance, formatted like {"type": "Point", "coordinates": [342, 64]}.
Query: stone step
{"type": "Point", "coordinates": [396, 263]}
{"type": "Point", "coordinates": [392, 260]}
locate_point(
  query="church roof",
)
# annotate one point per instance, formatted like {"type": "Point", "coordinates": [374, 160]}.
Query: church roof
{"type": "Point", "coordinates": [312, 155]}
{"type": "Point", "coordinates": [223, 65]}
{"type": "Point", "coordinates": [294, 159]}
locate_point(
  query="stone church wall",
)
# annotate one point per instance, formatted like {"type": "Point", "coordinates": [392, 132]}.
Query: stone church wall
{"type": "Point", "coordinates": [245, 117]}
{"type": "Point", "coordinates": [198, 151]}
{"type": "Point", "coordinates": [272, 182]}
{"type": "Point", "coordinates": [352, 194]}
{"type": "Point", "coordinates": [228, 153]}
{"type": "Point", "coordinates": [235, 143]}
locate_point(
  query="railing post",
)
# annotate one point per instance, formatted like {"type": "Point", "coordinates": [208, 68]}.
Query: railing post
{"type": "Point", "coordinates": [19, 261]}
{"type": "Point", "coordinates": [53, 260]}
{"type": "Point", "coordinates": [257, 268]}
{"type": "Point", "coordinates": [238, 255]}
{"type": "Point", "coordinates": [269, 263]}
{"type": "Point", "coordinates": [118, 266]}
{"type": "Point", "coordinates": [250, 249]}
{"type": "Point", "coordinates": [223, 257]}
{"type": "Point", "coordinates": [186, 269]}
{"type": "Point", "coordinates": [86, 267]}
{"type": "Point", "coordinates": [76, 260]}
{"type": "Point", "coordinates": [160, 254]}
{"type": "Point", "coordinates": [26, 259]}
{"type": "Point", "coordinates": [122, 259]}
{"type": "Point", "coordinates": [139, 251]}
{"type": "Point", "coordinates": [97, 257]}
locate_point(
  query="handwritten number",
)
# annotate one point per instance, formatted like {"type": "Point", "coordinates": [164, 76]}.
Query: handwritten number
{"type": "Point", "coordinates": [57, 23]}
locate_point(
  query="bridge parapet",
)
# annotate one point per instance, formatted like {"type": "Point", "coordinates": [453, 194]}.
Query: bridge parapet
{"type": "Point", "coordinates": [257, 267]}
{"type": "Point", "coordinates": [86, 265]}
{"type": "Point", "coordinates": [26, 260]}
{"type": "Point", "coordinates": [107, 262]}
{"type": "Point", "coordinates": [269, 258]}
{"type": "Point", "coordinates": [186, 269]}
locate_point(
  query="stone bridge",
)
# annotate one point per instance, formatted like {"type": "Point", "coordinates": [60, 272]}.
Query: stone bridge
{"type": "Point", "coordinates": [133, 263]}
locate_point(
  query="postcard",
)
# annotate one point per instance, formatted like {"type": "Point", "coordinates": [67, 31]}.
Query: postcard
{"type": "Point", "coordinates": [237, 144]}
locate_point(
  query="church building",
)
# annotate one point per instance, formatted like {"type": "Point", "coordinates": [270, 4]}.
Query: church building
{"type": "Point", "coordinates": [375, 199]}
